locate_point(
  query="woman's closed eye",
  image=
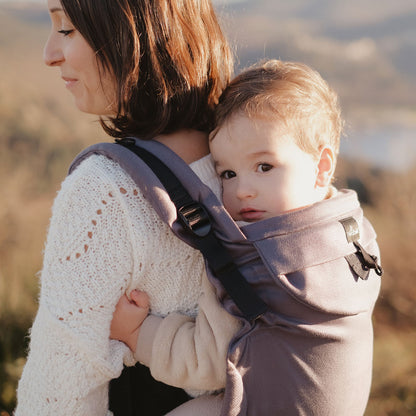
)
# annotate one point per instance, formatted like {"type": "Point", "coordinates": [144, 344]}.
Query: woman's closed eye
{"type": "Point", "coordinates": [264, 167]}
{"type": "Point", "coordinates": [227, 174]}
{"type": "Point", "coordinates": [65, 32]}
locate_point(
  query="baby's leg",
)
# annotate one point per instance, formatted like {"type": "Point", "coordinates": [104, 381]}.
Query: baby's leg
{"type": "Point", "coordinates": [207, 405]}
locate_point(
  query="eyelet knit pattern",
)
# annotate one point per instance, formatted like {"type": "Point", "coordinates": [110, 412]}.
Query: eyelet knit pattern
{"type": "Point", "coordinates": [104, 239]}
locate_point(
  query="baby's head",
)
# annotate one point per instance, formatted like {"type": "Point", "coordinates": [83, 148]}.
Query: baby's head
{"type": "Point", "coordinates": [276, 140]}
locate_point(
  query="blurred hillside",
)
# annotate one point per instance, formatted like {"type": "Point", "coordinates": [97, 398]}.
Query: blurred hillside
{"type": "Point", "coordinates": [366, 50]}
{"type": "Point", "coordinates": [40, 131]}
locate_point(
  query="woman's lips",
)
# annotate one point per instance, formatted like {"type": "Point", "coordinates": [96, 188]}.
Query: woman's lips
{"type": "Point", "coordinates": [69, 82]}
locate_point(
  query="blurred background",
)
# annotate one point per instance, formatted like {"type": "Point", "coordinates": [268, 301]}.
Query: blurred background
{"type": "Point", "coordinates": [366, 49]}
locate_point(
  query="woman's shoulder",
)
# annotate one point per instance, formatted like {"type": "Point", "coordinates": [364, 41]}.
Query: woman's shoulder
{"type": "Point", "coordinates": [97, 180]}
{"type": "Point", "coordinates": [100, 178]}
{"type": "Point", "coordinates": [96, 174]}
{"type": "Point", "coordinates": [97, 166]}
{"type": "Point", "coordinates": [107, 170]}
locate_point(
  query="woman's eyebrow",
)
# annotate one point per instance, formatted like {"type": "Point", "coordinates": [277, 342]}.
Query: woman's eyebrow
{"type": "Point", "coordinates": [55, 9]}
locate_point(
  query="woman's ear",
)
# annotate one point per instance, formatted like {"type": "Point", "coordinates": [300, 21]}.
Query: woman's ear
{"type": "Point", "coordinates": [325, 168]}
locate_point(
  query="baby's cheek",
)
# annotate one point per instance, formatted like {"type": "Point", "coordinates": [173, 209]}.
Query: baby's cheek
{"type": "Point", "coordinates": [228, 200]}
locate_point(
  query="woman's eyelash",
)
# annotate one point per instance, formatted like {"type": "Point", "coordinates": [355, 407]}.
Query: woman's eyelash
{"type": "Point", "coordinates": [65, 32]}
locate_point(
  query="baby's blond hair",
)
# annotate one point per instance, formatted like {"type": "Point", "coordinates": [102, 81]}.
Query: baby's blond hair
{"type": "Point", "coordinates": [291, 93]}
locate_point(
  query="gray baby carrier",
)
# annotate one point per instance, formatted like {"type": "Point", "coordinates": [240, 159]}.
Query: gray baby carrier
{"type": "Point", "coordinates": [303, 285]}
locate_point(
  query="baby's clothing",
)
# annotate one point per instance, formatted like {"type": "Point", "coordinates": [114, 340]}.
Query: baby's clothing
{"type": "Point", "coordinates": [321, 297]}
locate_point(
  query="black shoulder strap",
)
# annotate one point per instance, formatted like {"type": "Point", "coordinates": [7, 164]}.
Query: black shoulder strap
{"type": "Point", "coordinates": [197, 221]}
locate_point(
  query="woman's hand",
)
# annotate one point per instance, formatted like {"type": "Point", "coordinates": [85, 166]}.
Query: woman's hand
{"type": "Point", "coordinates": [128, 317]}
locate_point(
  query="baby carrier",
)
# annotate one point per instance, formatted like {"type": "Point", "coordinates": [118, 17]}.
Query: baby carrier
{"type": "Point", "coordinates": [302, 283]}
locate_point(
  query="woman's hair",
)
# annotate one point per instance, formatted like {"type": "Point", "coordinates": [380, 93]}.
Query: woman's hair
{"type": "Point", "coordinates": [290, 93]}
{"type": "Point", "coordinates": [169, 57]}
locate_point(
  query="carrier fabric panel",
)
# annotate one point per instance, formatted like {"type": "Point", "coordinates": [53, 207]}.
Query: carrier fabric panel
{"type": "Point", "coordinates": [316, 338]}
{"type": "Point", "coordinates": [311, 354]}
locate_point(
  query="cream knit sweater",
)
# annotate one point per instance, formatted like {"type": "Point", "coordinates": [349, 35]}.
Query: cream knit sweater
{"type": "Point", "coordinates": [105, 239]}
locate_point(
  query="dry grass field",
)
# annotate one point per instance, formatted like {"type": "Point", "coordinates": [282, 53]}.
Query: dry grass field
{"type": "Point", "coordinates": [40, 132]}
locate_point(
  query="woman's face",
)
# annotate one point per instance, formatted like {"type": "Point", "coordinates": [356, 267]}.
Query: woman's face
{"type": "Point", "coordinates": [93, 87]}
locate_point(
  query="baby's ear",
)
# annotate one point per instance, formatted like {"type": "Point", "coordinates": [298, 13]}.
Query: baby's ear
{"type": "Point", "coordinates": [325, 168]}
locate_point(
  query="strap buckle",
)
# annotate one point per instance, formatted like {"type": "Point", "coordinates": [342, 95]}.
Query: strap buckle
{"type": "Point", "coordinates": [195, 219]}
{"type": "Point", "coordinates": [368, 261]}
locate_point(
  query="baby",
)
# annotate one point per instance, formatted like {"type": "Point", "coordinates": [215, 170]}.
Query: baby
{"type": "Point", "coordinates": [275, 145]}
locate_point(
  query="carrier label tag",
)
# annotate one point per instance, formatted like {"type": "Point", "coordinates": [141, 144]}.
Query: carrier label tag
{"type": "Point", "coordinates": [351, 228]}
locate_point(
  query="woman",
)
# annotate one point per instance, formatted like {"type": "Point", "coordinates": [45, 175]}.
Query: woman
{"type": "Point", "coordinates": [153, 69]}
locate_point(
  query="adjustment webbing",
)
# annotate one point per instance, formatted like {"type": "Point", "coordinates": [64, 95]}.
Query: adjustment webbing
{"type": "Point", "coordinates": [220, 261]}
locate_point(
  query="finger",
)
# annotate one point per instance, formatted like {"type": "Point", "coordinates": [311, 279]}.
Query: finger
{"type": "Point", "coordinates": [123, 302]}
{"type": "Point", "coordinates": [140, 298]}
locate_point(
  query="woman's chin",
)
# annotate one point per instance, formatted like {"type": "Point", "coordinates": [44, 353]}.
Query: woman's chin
{"type": "Point", "coordinates": [97, 110]}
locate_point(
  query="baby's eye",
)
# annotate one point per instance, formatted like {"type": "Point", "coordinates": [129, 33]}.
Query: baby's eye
{"type": "Point", "coordinates": [264, 167]}
{"type": "Point", "coordinates": [227, 174]}
{"type": "Point", "coordinates": [65, 32]}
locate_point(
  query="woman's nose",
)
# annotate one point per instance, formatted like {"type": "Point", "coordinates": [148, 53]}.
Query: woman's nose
{"type": "Point", "coordinates": [52, 53]}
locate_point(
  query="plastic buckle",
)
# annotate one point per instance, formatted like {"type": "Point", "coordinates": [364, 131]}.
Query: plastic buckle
{"type": "Point", "coordinates": [195, 218]}
{"type": "Point", "coordinates": [126, 141]}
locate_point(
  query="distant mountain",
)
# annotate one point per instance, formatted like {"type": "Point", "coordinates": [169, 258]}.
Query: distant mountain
{"type": "Point", "coordinates": [366, 49]}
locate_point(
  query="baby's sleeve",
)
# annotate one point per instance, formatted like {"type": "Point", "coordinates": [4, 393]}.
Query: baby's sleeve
{"type": "Point", "coordinates": [188, 352]}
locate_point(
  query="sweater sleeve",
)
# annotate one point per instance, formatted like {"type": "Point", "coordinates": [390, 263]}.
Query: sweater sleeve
{"type": "Point", "coordinates": [87, 266]}
{"type": "Point", "coordinates": [189, 352]}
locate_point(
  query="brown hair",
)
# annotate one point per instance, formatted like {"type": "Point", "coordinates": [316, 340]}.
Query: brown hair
{"type": "Point", "coordinates": [170, 59]}
{"type": "Point", "coordinates": [291, 93]}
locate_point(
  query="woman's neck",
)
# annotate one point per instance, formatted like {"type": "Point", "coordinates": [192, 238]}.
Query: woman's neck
{"type": "Point", "coordinates": [190, 145]}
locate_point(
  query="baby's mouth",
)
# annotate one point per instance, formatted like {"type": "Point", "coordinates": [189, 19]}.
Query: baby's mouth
{"type": "Point", "coordinates": [251, 214]}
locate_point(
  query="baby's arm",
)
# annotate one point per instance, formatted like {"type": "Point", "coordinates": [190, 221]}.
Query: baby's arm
{"type": "Point", "coordinates": [189, 352]}
{"type": "Point", "coordinates": [180, 350]}
{"type": "Point", "coordinates": [128, 317]}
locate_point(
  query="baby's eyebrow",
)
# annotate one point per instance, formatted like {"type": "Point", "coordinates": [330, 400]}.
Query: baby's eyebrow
{"type": "Point", "coordinates": [216, 164]}
{"type": "Point", "coordinates": [261, 153]}
{"type": "Point", "coordinates": [218, 167]}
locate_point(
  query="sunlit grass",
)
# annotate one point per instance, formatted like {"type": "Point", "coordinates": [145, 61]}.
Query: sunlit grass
{"type": "Point", "coordinates": [394, 379]}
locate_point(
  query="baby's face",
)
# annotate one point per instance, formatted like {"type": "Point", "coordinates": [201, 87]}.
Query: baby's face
{"type": "Point", "coordinates": [264, 173]}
